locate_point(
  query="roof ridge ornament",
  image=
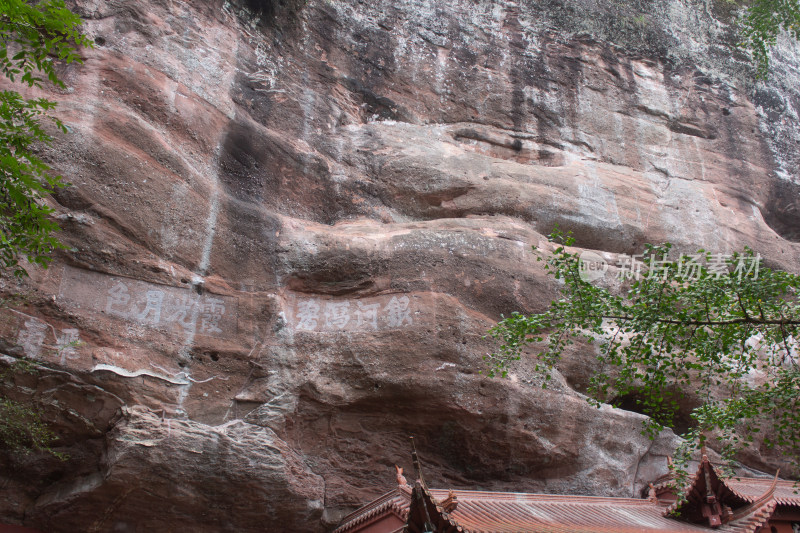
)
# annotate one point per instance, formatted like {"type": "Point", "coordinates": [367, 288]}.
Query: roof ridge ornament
{"type": "Point", "coordinates": [450, 503]}
{"type": "Point", "coordinates": [401, 480]}
{"type": "Point", "coordinates": [415, 462]}
{"type": "Point", "coordinates": [712, 510]}
{"type": "Point", "coordinates": [422, 489]}
{"type": "Point", "coordinates": [652, 495]}
{"type": "Point", "coordinates": [705, 503]}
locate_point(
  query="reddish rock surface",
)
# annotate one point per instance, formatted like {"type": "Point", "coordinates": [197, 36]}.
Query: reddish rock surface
{"type": "Point", "coordinates": [289, 233]}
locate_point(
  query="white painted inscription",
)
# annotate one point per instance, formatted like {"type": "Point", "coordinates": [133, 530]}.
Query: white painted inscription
{"type": "Point", "coordinates": [38, 339]}
{"type": "Point", "coordinates": [152, 310]}
{"type": "Point", "coordinates": [367, 315]}
{"type": "Point", "coordinates": [66, 343]}
{"type": "Point", "coordinates": [337, 314]}
{"type": "Point", "coordinates": [308, 314]}
{"type": "Point", "coordinates": [117, 299]}
{"type": "Point", "coordinates": [157, 306]}
{"type": "Point", "coordinates": [211, 313]}
{"type": "Point", "coordinates": [377, 313]}
{"type": "Point", "coordinates": [184, 313]}
{"type": "Point", "coordinates": [397, 312]}
{"type": "Point", "coordinates": [31, 337]}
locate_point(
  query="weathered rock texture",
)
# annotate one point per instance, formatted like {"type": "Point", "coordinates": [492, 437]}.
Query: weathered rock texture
{"type": "Point", "coordinates": [289, 232]}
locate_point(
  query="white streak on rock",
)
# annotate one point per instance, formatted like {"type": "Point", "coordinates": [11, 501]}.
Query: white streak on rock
{"type": "Point", "coordinates": [136, 373]}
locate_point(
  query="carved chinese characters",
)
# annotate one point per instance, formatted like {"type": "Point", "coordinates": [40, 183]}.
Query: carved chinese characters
{"type": "Point", "coordinates": [397, 312]}
{"type": "Point", "coordinates": [38, 339]}
{"type": "Point", "coordinates": [31, 337]}
{"type": "Point", "coordinates": [378, 313]}
{"type": "Point", "coordinates": [127, 307]}
{"type": "Point", "coordinates": [68, 340]}
{"type": "Point", "coordinates": [157, 306]}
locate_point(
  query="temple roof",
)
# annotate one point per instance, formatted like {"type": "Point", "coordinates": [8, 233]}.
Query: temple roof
{"type": "Point", "coordinates": [710, 503]}
{"type": "Point", "coordinates": [750, 489]}
{"type": "Point", "coordinates": [508, 512]}
{"type": "Point", "coordinates": [396, 502]}
{"type": "Point", "coordinates": [713, 501]}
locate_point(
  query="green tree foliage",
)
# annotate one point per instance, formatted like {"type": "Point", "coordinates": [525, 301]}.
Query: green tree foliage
{"type": "Point", "coordinates": [731, 333]}
{"type": "Point", "coordinates": [22, 429]}
{"type": "Point", "coordinates": [763, 22]}
{"type": "Point", "coordinates": [33, 38]}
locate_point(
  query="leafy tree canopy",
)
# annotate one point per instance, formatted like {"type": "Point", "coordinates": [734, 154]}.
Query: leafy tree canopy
{"type": "Point", "coordinates": [32, 38]}
{"type": "Point", "coordinates": [726, 329]}
{"type": "Point", "coordinates": [763, 22]}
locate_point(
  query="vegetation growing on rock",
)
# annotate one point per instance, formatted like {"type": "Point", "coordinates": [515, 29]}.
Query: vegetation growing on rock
{"type": "Point", "coordinates": [763, 22]}
{"type": "Point", "coordinates": [33, 38]}
{"type": "Point", "coordinates": [727, 328]}
{"type": "Point", "coordinates": [22, 429]}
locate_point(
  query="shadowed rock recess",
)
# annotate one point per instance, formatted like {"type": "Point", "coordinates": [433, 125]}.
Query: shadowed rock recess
{"type": "Point", "coordinates": [290, 224]}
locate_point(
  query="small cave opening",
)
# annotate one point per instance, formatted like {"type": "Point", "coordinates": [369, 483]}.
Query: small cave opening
{"type": "Point", "coordinates": [781, 211]}
{"type": "Point", "coordinates": [680, 422]}
{"type": "Point", "coordinates": [271, 8]}
{"type": "Point", "coordinates": [260, 6]}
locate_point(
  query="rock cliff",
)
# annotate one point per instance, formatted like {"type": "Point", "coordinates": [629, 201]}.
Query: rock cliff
{"type": "Point", "coordinates": [290, 226]}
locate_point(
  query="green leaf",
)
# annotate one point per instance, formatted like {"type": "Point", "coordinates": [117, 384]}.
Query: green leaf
{"type": "Point", "coordinates": [666, 334]}
{"type": "Point", "coordinates": [39, 30]}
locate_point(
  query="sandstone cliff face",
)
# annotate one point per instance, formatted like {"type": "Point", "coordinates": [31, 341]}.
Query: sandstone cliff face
{"type": "Point", "coordinates": [290, 231]}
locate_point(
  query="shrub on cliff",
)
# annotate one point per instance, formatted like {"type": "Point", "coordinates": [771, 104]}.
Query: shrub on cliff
{"type": "Point", "coordinates": [32, 39]}
{"type": "Point", "coordinates": [22, 429]}
{"type": "Point", "coordinates": [725, 328]}
{"type": "Point", "coordinates": [763, 22]}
